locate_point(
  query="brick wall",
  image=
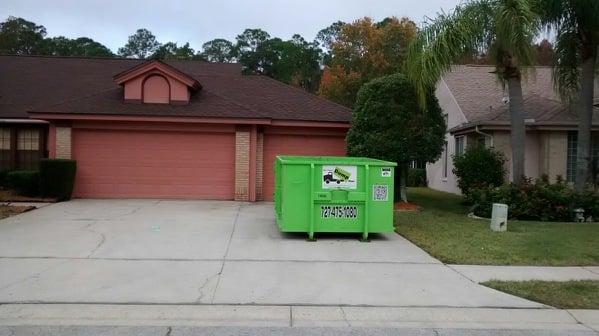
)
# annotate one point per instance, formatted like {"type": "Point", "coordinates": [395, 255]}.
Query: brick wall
{"type": "Point", "coordinates": [242, 165]}
{"type": "Point", "coordinates": [259, 166]}
{"type": "Point", "coordinates": [63, 142]}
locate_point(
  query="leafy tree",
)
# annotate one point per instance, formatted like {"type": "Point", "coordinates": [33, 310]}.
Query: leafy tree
{"type": "Point", "coordinates": [505, 28]}
{"type": "Point", "coordinates": [142, 45]}
{"type": "Point", "coordinates": [21, 37]}
{"type": "Point", "coordinates": [576, 23]}
{"type": "Point", "coordinates": [368, 49]}
{"type": "Point", "coordinates": [545, 54]}
{"type": "Point", "coordinates": [170, 51]}
{"type": "Point", "coordinates": [295, 61]}
{"type": "Point", "coordinates": [388, 124]}
{"type": "Point", "coordinates": [83, 46]}
{"type": "Point", "coordinates": [251, 39]}
{"type": "Point", "coordinates": [325, 39]}
{"type": "Point", "coordinates": [219, 50]}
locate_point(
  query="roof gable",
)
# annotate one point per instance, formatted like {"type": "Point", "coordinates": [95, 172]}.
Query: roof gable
{"type": "Point", "coordinates": [154, 66]}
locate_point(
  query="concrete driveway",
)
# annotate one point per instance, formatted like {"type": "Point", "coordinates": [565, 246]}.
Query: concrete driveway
{"type": "Point", "coordinates": [210, 252]}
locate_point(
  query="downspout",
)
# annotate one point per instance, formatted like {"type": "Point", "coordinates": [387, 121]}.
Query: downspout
{"type": "Point", "coordinates": [484, 134]}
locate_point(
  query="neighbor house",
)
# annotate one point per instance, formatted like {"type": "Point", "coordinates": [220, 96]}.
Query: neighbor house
{"type": "Point", "coordinates": [152, 129]}
{"type": "Point", "coordinates": [476, 106]}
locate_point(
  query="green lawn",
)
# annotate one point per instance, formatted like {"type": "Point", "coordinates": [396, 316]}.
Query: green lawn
{"type": "Point", "coordinates": [565, 295]}
{"type": "Point", "coordinates": [444, 231]}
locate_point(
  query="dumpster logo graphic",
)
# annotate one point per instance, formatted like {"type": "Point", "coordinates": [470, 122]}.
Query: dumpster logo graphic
{"type": "Point", "coordinates": [334, 177]}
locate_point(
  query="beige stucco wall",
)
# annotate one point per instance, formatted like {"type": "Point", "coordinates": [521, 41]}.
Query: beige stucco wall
{"type": "Point", "coordinates": [455, 117]}
{"type": "Point", "coordinates": [502, 142]}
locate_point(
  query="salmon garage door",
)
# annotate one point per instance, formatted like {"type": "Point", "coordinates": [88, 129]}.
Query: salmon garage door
{"type": "Point", "coordinates": [285, 144]}
{"type": "Point", "coordinates": [156, 164]}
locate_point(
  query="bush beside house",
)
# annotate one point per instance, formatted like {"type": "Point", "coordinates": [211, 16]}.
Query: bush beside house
{"type": "Point", "coordinates": [57, 178]}
{"type": "Point", "coordinates": [479, 167]}
{"type": "Point", "coordinates": [24, 182]}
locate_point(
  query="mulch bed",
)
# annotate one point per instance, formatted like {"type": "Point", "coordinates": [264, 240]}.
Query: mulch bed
{"type": "Point", "coordinates": [10, 196]}
{"type": "Point", "coordinates": [12, 210]}
{"type": "Point", "coordinates": [403, 206]}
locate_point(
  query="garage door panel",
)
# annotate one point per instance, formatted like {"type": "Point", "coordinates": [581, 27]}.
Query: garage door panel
{"type": "Point", "coordinates": [287, 144]}
{"type": "Point", "coordinates": [154, 164]}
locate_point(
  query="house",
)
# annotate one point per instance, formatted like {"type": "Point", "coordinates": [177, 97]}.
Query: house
{"type": "Point", "coordinates": [476, 107]}
{"type": "Point", "coordinates": [152, 129]}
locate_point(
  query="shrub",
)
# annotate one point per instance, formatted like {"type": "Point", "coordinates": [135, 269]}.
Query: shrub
{"type": "Point", "coordinates": [417, 177]}
{"type": "Point", "coordinates": [540, 200]}
{"type": "Point", "coordinates": [57, 178]}
{"type": "Point", "coordinates": [479, 167]}
{"type": "Point", "coordinates": [23, 182]}
{"type": "Point", "coordinates": [3, 175]}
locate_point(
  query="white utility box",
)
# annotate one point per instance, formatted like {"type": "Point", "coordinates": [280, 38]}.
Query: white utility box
{"type": "Point", "coordinates": [499, 217]}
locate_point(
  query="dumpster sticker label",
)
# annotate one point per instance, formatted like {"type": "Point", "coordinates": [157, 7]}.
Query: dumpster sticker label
{"type": "Point", "coordinates": [334, 177]}
{"type": "Point", "coordinates": [386, 172]}
{"type": "Point", "coordinates": [339, 211]}
{"type": "Point", "coordinates": [380, 193]}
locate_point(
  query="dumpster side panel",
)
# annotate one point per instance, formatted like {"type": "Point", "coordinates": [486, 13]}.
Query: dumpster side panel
{"type": "Point", "coordinates": [295, 197]}
{"type": "Point", "coordinates": [380, 199]}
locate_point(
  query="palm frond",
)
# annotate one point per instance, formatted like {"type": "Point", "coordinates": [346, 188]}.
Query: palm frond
{"type": "Point", "coordinates": [567, 61]}
{"type": "Point", "coordinates": [446, 39]}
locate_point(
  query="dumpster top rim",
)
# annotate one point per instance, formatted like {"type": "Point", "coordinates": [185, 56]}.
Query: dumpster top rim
{"type": "Point", "coordinates": [346, 160]}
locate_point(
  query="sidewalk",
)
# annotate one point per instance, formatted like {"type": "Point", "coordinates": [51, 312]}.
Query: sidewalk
{"type": "Point", "coordinates": [522, 273]}
{"type": "Point", "coordinates": [20, 315]}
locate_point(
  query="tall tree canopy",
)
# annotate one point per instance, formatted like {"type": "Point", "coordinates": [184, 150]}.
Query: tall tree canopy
{"type": "Point", "coordinates": [141, 45]}
{"type": "Point", "coordinates": [219, 50]}
{"type": "Point", "coordinates": [364, 50]}
{"type": "Point", "coordinates": [295, 61]}
{"type": "Point", "coordinates": [576, 23]}
{"type": "Point", "coordinates": [504, 28]}
{"type": "Point", "coordinates": [21, 37]}
{"type": "Point", "coordinates": [388, 124]}
{"type": "Point", "coordinates": [171, 51]}
{"type": "Point", "coordinates": [325, 39]}
{"type": "Point", "coordinates": [82, 46]}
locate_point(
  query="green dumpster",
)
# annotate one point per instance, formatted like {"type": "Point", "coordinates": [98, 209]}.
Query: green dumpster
{"type": "Point", "coordinates": [333, 194]}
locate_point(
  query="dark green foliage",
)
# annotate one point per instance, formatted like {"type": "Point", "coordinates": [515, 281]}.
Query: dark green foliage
{"type": "Point", "coordinates": [417, 177]}
{"type": "Point", "coordinates": [57, 178]}
{"type": "Point", "coordinates": [83, 46]}
{"type": "Point", "coordinates": [389, 125]}
{"type": "Point", "coordinates": [538, 200]}
{"type": "Point", "coordinates": [23, 182]}
{"type": "Point", "coordinates": [142, 44]}
{"type": "Point", "coordinates": [3, 175]}
{"type": "Point", "coordinates": [479, 167]}
{"type": "Point", "coordinates": [21, 37]}
{"type": "Point", "coordinates": [170, 51]}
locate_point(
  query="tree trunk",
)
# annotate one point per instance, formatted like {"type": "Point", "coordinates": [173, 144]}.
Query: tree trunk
{"type": "Point", "coordinates": [400, 180]}
{"type": "Point", "coordinates": [518, 131]}
{"type": "Point", "coordinates": [585, 119]}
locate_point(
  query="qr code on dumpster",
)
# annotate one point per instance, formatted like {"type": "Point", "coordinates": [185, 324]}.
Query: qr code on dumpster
{"type": "Point", "coordinates": [379, 193]}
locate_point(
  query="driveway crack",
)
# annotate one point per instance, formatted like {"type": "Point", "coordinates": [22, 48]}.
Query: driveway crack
{"type": "Point", "coordinates": [101, 242]}
{"type": "Point", "coordinates": [344, 316]}
{"type": "Point", "coordinates": [222, 266]}
{"type": "Point", "coordinates": [169, 330]}
{"type": "Point", "coordinates": [590, 270]}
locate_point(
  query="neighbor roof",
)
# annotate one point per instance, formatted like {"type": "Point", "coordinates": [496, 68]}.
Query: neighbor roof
{"type": "Point", "coordinates": [78, 85]}
{"type": "Point", "coordinates": [481, 97]}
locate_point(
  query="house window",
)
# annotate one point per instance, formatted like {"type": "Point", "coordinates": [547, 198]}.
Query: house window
{"type": "Point", "coordinates": [481, 141]}
{"type": "Point", "coordinates": [4, 148]}
{"type": "Point", "coordinates": [573, 151]}
{"type": "Point", "coordinates": [445, 161]}
{"type": "Point", "coordinates": [28, 148]}
{"type": "Point", "coordinates": [459, 145]}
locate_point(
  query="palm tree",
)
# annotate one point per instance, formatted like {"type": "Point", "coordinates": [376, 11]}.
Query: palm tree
{"type": "Point", "coordinates": [576, 23]}
{"type": "Point", "coordinates": [505, 29]}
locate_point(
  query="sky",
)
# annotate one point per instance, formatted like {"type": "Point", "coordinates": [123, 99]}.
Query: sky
{"type": "Point", "coordinates": [110, 22]}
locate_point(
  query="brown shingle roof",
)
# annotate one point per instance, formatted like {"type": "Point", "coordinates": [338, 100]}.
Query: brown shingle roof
{"type": "Point", "coordinates": [86, 86]}
{"type": "Point", "coordinates": [481, 97]}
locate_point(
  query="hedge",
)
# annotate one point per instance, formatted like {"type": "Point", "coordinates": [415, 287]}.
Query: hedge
{"type": "Point", "coordinates": [57, 178]}
{"type": "Point", "coordinates": [24, 182]}
{"type": "Point", "coordinates": [417, 177]}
